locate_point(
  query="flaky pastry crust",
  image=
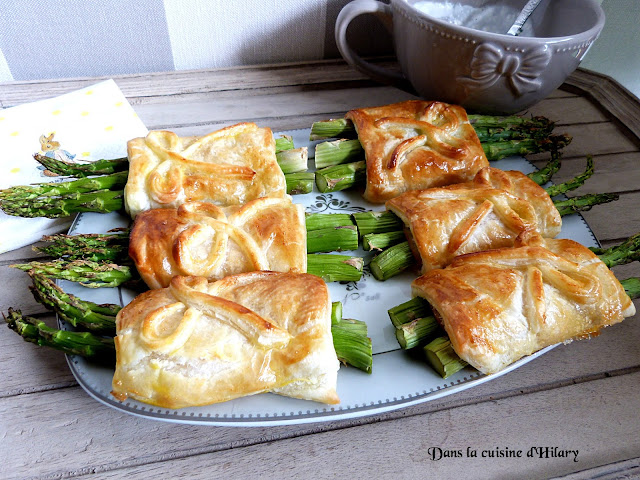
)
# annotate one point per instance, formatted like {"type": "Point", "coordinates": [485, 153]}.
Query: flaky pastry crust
{"type": "Point", "coordinates": [196, 343]}
{"type": "Point", "coordinates": [230, 166]}
{"type": "Point", "coordinates": [415, 145]}
{"type": "Point", "coordinates": [489, 212]}
{"type": "Point", "coordinates": [202, 239]}
{"type": "Point", "coordinates": [500, 305]}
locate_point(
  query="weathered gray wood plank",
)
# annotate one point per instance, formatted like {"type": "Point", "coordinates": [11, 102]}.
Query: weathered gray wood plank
{"type": "Point", "coordinates": [563, 417]}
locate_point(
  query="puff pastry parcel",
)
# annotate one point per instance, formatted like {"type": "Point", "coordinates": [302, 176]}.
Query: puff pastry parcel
{"type": "Point", "coordinates": [500, 305]}
{"type": "Point", "coordinates": [416, 145]}
{"type": "Point", "coordinates": [196, 343]}
{"type": "Point", "coordinates": [489, 212]}
{"type": "Point", "coordinates": [228, 167]}
{"type": "Point", "coordinates": [202, 239]}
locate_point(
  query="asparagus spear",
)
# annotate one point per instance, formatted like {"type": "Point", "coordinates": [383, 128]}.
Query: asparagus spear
{"type": "Point", "coordinates": [332, 268]}
{"type": "Point", "coordinates": [97, 167]}
{"type": "Point", "coordinates": [544, 175]}
{"type": "Point", "coordinates": [106, 167]}
{"type": "Point", "coordinates": [87, 273]}
{"type": "Point", "coordinates": [21, 194]}
{"type": "Point", "coordinates": [95, 247]}
{"type": "Point", "coordinates": [626, 252]}
{"type": "Point", "coordinates": [74, 343]}
{"type": "Point", "coordinates": [584, 202]}
{"type": "Point", "coordinates": [574, 183]}
{"type": "Point", "coordinates": [79, 313]}
{"type": "Point", "coordinates": [351, 343]}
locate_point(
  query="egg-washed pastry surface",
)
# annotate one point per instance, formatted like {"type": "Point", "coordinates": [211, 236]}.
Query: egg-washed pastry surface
{"type": "Point", "coordinates": [489, 212]}
{"type": "Point", "coordinates": [415, 145]}
{"type": "Point", "coordinates": [197, 343]}
{"type": "Point", "coordinates": [202, 239]}
{"type": "Point", "coordinates": [230, 166]}
{"type": "Point", "coordinates": [498, 306]}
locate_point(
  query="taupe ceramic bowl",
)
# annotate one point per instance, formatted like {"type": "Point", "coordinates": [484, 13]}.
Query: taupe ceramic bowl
{"type": "Point", "coordinates": [482, 71]}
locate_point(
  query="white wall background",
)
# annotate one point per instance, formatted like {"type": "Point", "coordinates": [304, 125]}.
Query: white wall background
{"type": "Point", "coordinates": [41, 39]}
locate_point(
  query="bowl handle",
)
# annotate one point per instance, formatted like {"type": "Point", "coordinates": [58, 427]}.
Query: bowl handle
{"type": "Point", "coordinates": [384, 14]}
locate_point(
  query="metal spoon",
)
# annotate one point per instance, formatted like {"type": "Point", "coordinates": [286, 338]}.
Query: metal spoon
{"type": "Point", "coordinates": [527, 10]}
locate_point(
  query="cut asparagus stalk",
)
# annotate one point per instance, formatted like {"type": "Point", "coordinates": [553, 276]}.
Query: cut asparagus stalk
{"type": "Point", "coordinates": [574, 183]}
{"type": "Point", "coordinates": [337, 152]}
{"type": "Point", "coordinates": [584, 202]}
{"type": "Point", "coordinates": [87, 273]}
{"type": "Point", "coordinates": [284, 142]}
{"type": "Point", "coordinates": [318, 221]}
{"type": "Point", "coordinates": [377, 222]}
{"type": "Point", "coordinates": [79, 313]}
{"type": "Point", "coordinates": [299, 183]}
{"type": "Point", "coordinates": [341, 177]}
{"type": "Point", "coordinates": [74, 343]}
{"type": "Point", "coordinates": [335, 128]}
{"type": "Point", "coordinates": [443, 358]}
{"type": "Point", "coordinates": [352, 345]}
{"type": "Point", "coordinates": [332, 239]}
{"type": "Point", "coordinates": [293, 160]}
{"type": "Point", "coordinates": [335, 268]}
{"type": "Point", "coordinates": [416, 332]}
{"type": "Point", "coordinates": [69, 169]}
{"type": "Point", "coordinates": [626, 252]}
{"type": "Point", "coordinates": [392, 261]}
{"type": "Point", "coordinates": [409, 311]}
{"type": "Point", "coordinates": [382, 241]}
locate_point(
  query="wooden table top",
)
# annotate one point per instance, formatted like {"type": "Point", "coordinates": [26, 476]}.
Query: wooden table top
{"type": "Point", "coordinates": [582, 396]}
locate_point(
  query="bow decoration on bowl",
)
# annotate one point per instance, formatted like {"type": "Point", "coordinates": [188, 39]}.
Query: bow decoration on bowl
{"type": "Point", "coordinates": [490, 62]}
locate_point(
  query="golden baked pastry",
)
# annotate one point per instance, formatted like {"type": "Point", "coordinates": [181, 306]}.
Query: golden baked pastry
{"type": "Point", "coordinates": [196, 343]}
{"type": "Point", "coordinates": [228, 167]}
{"type": "Point", "coordinates": [415, 145]}
{"type": "Point", "coordinates": [500, 305]}
{"type": "Point", "coordinates": [202, 239]}
{"type": "Point", "coordinates": [489, 212]}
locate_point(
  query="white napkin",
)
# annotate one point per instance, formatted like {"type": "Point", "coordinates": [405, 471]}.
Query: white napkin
{"type": "Point", "coordinates": [88, 124]}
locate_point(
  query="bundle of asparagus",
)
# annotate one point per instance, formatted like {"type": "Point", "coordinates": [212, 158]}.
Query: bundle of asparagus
{"type": "Point", "coordinates": [416, 326]}
{"type": "Point", "coordinates": [352, 345]}
{"type": "Point", "coordinates": [384, 231]}
{"type": "Point", "coordinates": [101, 260]}
{"type": "Point", "coordinates": [340, 163]}
{"type": "Point", "coordinates": [100, 185]}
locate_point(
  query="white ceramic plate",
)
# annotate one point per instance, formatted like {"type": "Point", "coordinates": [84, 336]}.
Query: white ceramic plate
{"type": "Point", "coordinates": [398, 379]}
